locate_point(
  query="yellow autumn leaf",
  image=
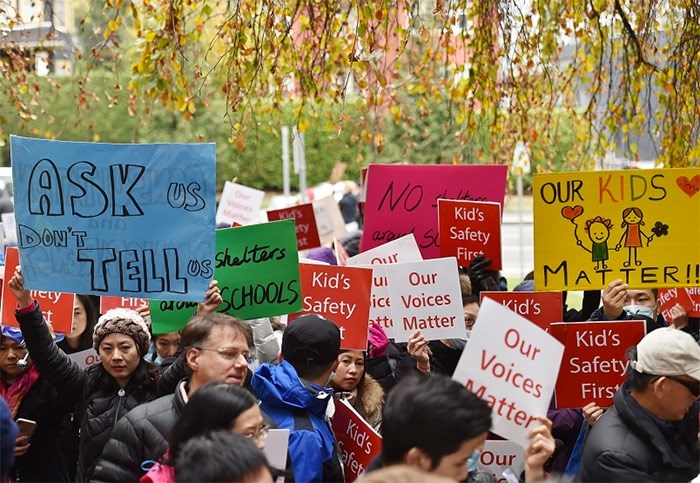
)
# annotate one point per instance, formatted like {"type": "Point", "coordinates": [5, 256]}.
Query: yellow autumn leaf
{"type": "Point", "coordinates": [181, 103]}
{"type": "Point", "coordinates": [303, 125]}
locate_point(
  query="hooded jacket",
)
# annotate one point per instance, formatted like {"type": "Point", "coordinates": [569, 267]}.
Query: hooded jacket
{"type": "Point", "coordinates": [627, 444]}
{"type": "Point", "coordinates": [300, 406]}
{"type": "Point", "coordinates": [8, 433]}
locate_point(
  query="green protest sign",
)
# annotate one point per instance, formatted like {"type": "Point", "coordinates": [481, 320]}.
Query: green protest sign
{"type": "Point", "coordinates": [257, 267]}
{"type": "Point", "coordinates": [168, 316]}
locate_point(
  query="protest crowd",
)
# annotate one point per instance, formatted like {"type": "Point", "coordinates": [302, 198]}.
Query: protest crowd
{"type": "Point", "coordinates": [382, 361]}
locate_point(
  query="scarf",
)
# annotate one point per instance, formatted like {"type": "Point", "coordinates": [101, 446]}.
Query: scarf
{"type": "Point", "coordinates": [14, 393]}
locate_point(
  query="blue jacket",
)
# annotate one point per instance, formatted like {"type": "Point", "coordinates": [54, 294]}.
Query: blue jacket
{"type": "Point", "coordinates": [8, 435]}
{"type": "Point", "coordinates": [300, 406]}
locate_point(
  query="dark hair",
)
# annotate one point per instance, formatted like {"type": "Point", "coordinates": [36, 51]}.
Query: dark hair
{"type": "Point", "coordinates": [219, 456]}
{"type": "Point", "coordinates": [351, 243]}
{"type": "Point", "coordinates": [154, 337]}
{"type": "Point", "coordinates": [91, 316]}
{"type": "Point", "coordinates": [361, 383]}
{"type": "Point", "coordinates": [312, 371]}
{"type": "Point", "coordinates": [432, 413]}
{"type": "Point", "coordinates": [470, 299]}
{"type": "Point", "coordinates": [638, 381]}
{"type": "Point", "coordinates": [214, 406]}
{"type": "Point", "coordinates": [200, 327]}
{"type": "Point", "coordinates": [144, 378]}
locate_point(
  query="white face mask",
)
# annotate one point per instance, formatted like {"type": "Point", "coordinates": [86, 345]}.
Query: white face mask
{"type": "Point", "coordinates": [460, 344]}
{"type": "Point", "coordinates": [641, 310]}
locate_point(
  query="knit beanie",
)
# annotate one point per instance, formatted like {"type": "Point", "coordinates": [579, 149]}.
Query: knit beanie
{"type": "Point", "coordinates": [122, 321]}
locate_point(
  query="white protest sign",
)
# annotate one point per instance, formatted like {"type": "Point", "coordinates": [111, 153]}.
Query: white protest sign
{"type": "Point", "coordinates": [497, 456]}
{"type": "Point", "coordinates": [85, 358]}
{"type": "Point", "coordinates": [404, 249]}
{"type": "Point", "coordinates": [329, 220]}
{"type": "Point", "coordinates": [426, 296]}
{"type": "Point", "coordinates": [9, 226]}
{"type": "Point", "coordinates": [240, 204]}
{"type": "Point", "coordinates": [513, 365]}
{"type": "Point", "coordinates": [276, 449]}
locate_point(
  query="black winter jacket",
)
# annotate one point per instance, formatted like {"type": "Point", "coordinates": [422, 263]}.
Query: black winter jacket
{"type": "Point", "coordinates": [390, 368]}
{"type": "Point", "coordinates": [42, 462]}
{"type": "Point", "coordinates": [660, 322]}
{"type": "Point", "coordinates": [626, 444]}
{"type": "Point", "coordinates": [102, 401]}
{"type": "Point", "coordinates": [141, 435]}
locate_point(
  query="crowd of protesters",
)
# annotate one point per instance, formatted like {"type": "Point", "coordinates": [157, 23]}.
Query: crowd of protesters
{"type": "Point", "coordinates": [197, 404]}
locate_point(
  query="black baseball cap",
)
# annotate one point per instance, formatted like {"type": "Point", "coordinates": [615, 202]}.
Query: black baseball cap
{"type": "Point", "coordinates": [311, 340]}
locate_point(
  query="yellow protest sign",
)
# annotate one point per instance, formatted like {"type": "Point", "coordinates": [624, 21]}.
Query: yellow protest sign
{"type": "Point", "coordinates": [641, 226]}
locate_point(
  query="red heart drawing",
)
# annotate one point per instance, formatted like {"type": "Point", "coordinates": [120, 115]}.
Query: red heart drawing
{"type": "Point", "coordinates": [689, 186]}
{"type": "Point", "coordinates": [571, 212]}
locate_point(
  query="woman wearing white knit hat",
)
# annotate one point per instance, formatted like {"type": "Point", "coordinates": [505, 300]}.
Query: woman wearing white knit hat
{"type": "Point", "coordinates": [106, 390]}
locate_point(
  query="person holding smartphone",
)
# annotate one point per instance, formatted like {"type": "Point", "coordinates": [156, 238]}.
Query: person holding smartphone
{"type": "Point", "coordinates": [37, 408]}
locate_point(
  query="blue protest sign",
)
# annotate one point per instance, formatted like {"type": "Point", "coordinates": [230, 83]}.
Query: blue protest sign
{"type": "Point", "coordinates": [134, 220]}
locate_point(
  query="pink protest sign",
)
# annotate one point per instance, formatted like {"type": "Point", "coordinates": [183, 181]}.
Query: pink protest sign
{"type": "Point", "coordinates": [402, 199]}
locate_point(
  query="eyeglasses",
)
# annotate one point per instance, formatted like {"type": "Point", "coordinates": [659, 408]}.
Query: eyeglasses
{"type": "Point", "coordinates": [692, 386]}
{"type": "Point", "coordinates": [260, 435]}
{"type": "Point", "coordinates": [229, 353]}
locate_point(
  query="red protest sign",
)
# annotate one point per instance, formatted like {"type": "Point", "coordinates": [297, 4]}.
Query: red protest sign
{"type": "Point", "coordinates": [594, 362]}
{"type": "Point", "coordinates": [304, 221]}
{"type": "Point", "coordinates": [541, 308]}
{"type": "Point", "coordinates": [340, 294]}
{"type": "Point", "coordinates": [108, 302]}
{"type": "Point", "coordinates": [57, 307]}
{"type": "Point", "coordinates": [688, 298]}
{"type": "Point", "coordinates": [358, 442]}
{"type": "Point", "coordinates": [469, 229]}
{"type": "Point", "coordinates": [694, 295]}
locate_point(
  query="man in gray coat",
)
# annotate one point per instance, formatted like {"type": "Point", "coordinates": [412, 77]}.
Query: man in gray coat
{"type": "Point", "coordinates": [651, 431]}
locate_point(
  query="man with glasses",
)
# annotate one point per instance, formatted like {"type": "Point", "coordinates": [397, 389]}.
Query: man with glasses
{"type": "Point", "coordinates": [295, 395]}
{"type": "Point", "coordinates": [217, 348]}
{"type": "Point", "coordinates": [622, 303]}
{"type": "Point", "coordinates": [651, 432]}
